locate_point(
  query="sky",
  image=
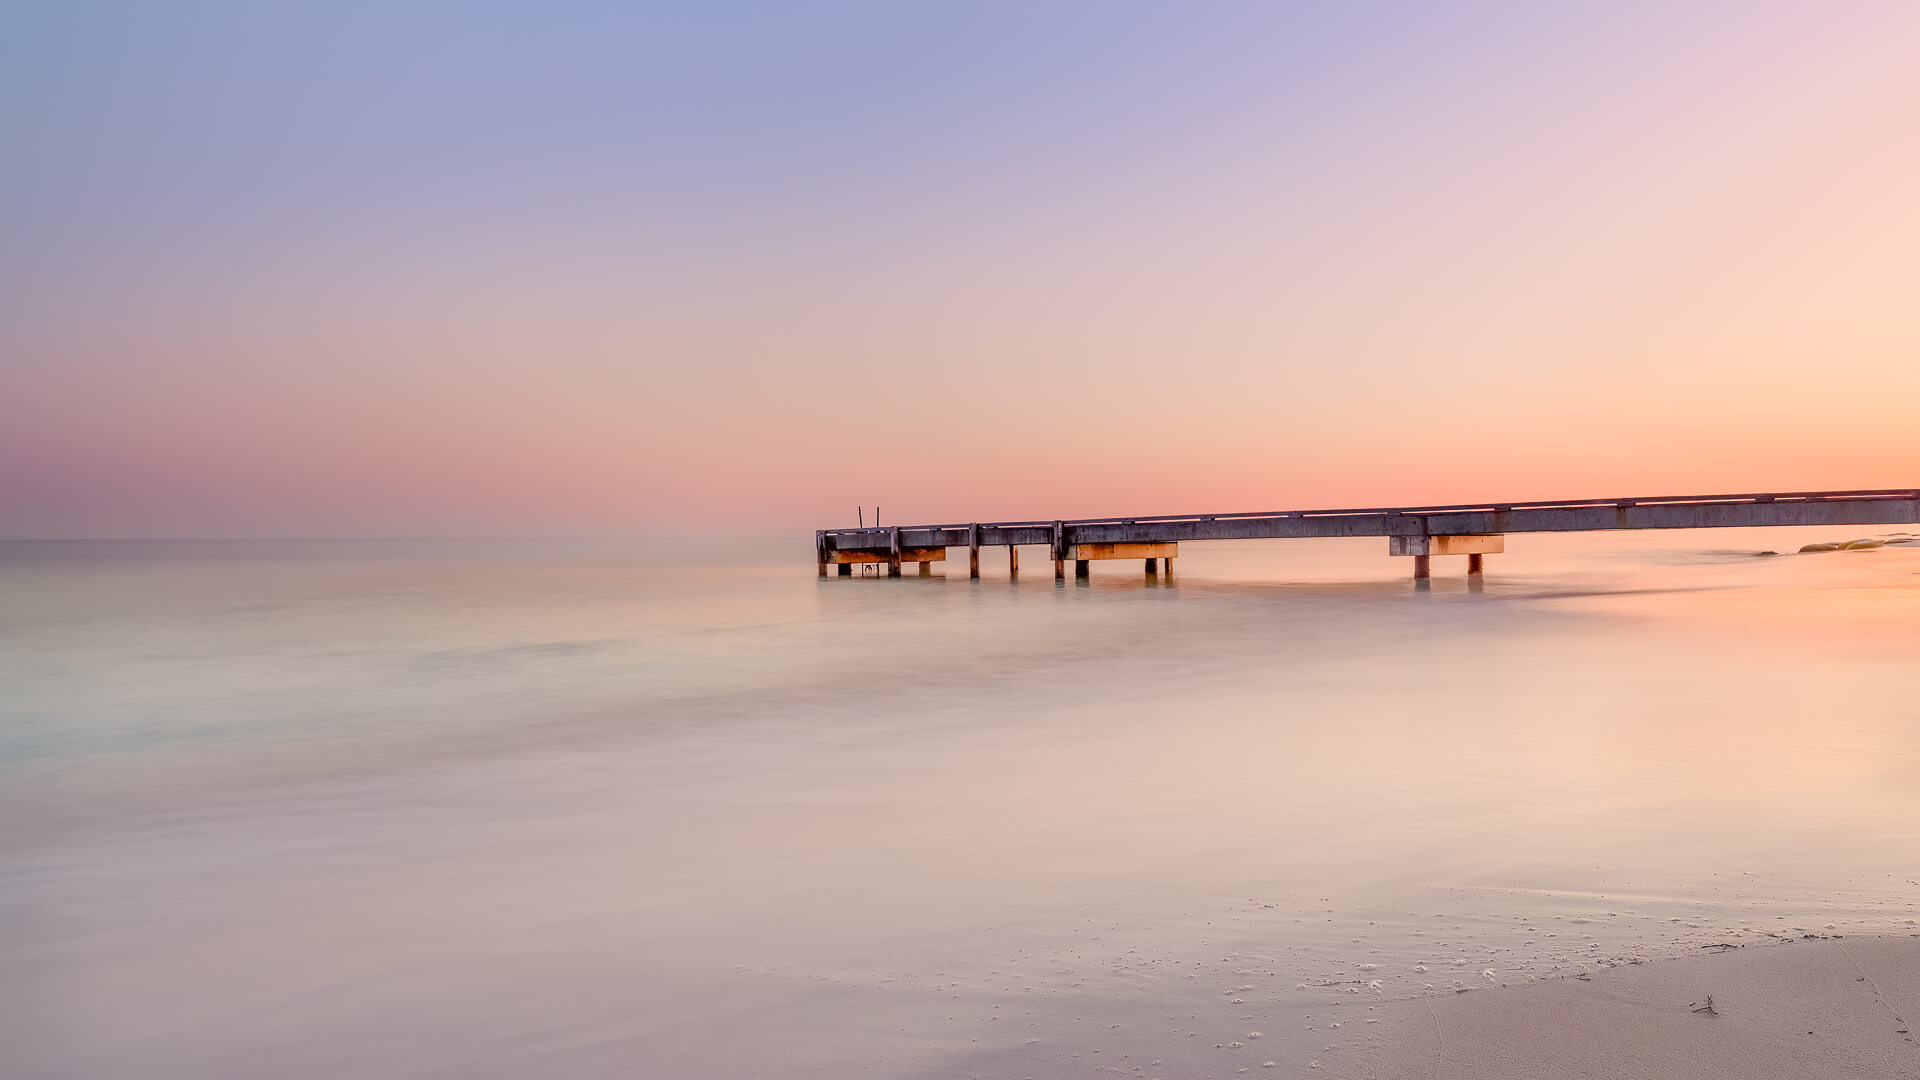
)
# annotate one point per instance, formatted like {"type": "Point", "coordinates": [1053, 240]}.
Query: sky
{"type": "Point", "coordinates": [571, 268]}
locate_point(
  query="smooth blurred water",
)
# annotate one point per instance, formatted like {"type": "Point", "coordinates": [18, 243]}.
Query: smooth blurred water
{"type": "Point", "coordinates": [439, 810]}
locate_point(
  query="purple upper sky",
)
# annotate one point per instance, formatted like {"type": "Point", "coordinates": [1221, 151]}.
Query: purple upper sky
{"type": "Point", "coordinates": [585, 268]}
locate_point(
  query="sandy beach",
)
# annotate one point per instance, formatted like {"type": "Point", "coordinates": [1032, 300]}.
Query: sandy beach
{"type": "Point", "coordinates": [1823, 1009]}
{"type": "Point", "coordinates": [1828, 1008]}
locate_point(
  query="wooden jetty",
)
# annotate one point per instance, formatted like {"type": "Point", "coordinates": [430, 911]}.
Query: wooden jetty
{"type": "Point", "coordinates": [1420, 532]}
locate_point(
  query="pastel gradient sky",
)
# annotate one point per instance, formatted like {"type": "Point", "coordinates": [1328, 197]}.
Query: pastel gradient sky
{"type": "Point", "coordinates": [549, 268]}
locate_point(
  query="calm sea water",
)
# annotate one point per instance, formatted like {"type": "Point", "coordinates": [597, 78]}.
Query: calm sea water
{"type": "Point", "coordinates": [312, 810]}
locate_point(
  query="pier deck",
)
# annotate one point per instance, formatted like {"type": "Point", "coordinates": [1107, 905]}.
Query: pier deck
{"type": "Point", "coordinates": [1417, 531]}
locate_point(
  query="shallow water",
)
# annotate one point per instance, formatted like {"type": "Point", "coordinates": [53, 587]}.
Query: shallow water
{"type": "Point", "coordinates": [432, 810]}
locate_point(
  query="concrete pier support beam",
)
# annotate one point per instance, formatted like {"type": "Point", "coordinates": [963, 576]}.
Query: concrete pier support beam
{"type": "Point", "coordinates": [973, 551]}
{"type": "Point", "coordinates": [1059, 551]}
{"type": "Point", "coordinates": [1013, 562]}
{"type": "Point", "coordinates": [820, 550]}
{"type": "Point", "coordinates": [926, 569]}
{"type": "Point", "coordinates": [1423, 548]}
{"type": "Point", "coordinates": [1477, 544]}
{"type": "Point", "coordinates": [1165, 550]}
{"type": "Point", "coordinates": [893, 560]}
{"type": "Point", "coordinates": [1474, 565]}
{"type": "Point", "coordinates": [1082, 568]}
{"type": "Point", "coordinates": [846, 569]}
{"type": "Point", "coordinates": [1150, 567]}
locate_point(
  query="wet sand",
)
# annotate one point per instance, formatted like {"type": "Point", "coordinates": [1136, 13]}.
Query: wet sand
{"type": "Point", "coordinates": [1819, 1009]}
{"type": "Point", "coordinates": [1826, 1009]}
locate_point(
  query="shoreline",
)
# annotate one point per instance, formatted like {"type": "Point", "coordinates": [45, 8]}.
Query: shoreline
{"type": "Point", "coordinates": [1820, 1009]}
{"type": "Point", "coordinates": [1827, 1008]}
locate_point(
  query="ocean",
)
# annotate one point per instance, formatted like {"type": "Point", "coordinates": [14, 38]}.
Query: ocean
{"type": "Point", "coordinates": [412, 809]}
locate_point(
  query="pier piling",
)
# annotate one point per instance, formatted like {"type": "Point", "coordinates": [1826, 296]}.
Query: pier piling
{"type": "Point", "coordinates": [973, 551]}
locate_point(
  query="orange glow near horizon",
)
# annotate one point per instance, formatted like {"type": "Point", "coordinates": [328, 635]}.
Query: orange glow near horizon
{"type": "Point", "coordinates": [1550, 256]}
